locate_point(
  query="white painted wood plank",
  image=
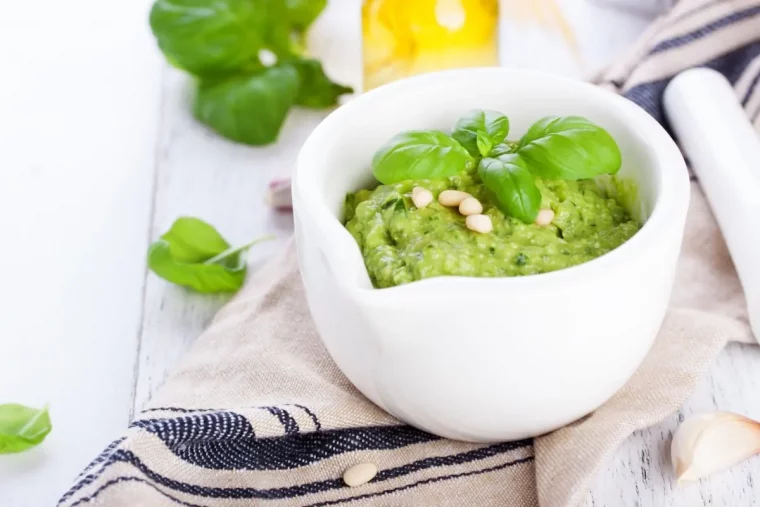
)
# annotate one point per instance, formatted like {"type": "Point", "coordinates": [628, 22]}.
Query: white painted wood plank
{"type": "Point", "coordinates": [78, 107]}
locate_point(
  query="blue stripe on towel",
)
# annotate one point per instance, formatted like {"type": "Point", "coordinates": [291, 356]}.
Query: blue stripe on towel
{"type": "Point", "coordinates": [706, 30]}
{"type": "Point", "coordinates": [751, 88]}
{"type": "Point", "coordinates": [122, 479]}
{"type": "Point", "coordinates": [317, 424]}
{"type": "Point", "coordinates": [289, 424]}
{"type": "Point", "coordinates": [226, 441]}
{"type": "Point", "coordinates": [125, 456]}
{"type": "Point", "coordinates": [118, 480]}
{"type": "Point", "coordinates": [425, 481]}
{"type": "Point", "coordinates": [731, 65]}
{"type": "Point", "coordinates": [312, 415]}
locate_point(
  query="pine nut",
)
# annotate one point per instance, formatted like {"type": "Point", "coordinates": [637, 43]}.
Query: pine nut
{"type": "Point", "coordinates": [359, 474]}
{"type": "Point", "coordinates": [470, 206]}
{"type": "Point", "coordinates": [421, 197]}
{"type": "Point", "coordinates": [479, 223]}
{"type": "Point", "coordinates": [452, 198]}
{"type": "Point", "coordinates": [544, 217]}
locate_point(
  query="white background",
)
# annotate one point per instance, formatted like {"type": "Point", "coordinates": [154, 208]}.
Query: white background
{"type": "Point", "coordinates": [98, 155]}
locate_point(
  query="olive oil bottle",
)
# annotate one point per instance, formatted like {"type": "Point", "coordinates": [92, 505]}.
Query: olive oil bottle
{"type": "Point", "coordinates": [406, 37]}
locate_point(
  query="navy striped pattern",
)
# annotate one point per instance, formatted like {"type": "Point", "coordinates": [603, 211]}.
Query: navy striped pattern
{"type": "Point", "coordinates": [224, 440]}
{"type": "Point", "coordinates": [706, 30]}
{"type": "Point", "coordinates": [732, 65]}
{"type": "Point", "coordinates": [309, 487]}
{"type": "Point", "coordinates": [427, 481]}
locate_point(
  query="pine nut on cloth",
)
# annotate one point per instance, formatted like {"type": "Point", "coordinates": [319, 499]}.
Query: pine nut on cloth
{"type": "Point", "coordinates": [257, 413]}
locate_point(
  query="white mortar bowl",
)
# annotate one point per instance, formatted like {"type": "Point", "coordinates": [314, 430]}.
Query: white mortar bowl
{"type": "Point", "coordinates": [487, 359]}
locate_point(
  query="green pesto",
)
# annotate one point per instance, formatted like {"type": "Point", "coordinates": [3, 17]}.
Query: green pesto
{"type": "Point", "coordinates": [401, 243]}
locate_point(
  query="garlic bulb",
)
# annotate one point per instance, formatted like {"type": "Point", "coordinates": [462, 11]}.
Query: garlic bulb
{"type": "Point", "coordinates": [713, 442]}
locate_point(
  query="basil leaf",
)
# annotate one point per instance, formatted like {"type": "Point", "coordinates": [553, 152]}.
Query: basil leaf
{"type": "Point", "coordinates": [205, 278]}
{"type": "Point", "coordinates": [317, 90]}
{"type": "Point", "coordinates": [513, 186]}
{"type": "Point", "coordinates": [248, 108]}
{"type": "Point", "coordinates": [420, 154]}
{"type": "Point", "coordinates": [302, 13]}
{"type": "Point", "coordinates": [193, 254]}
{"type": "Point", "coordinates": [484, 143]}
{"type": "Point", "coordinates": [193, 240]}
{"type": "Point", "coordinates": [501, 149]}
{"type": "Point", "coordinates": [279, 36]}
{"type": "Point", "coordinates": [211, 38]}
{"type": "Point", "coordinates": [569, 148]}
{"type": "Point", "coordinates": [493, 123]}
{"type": "Point", "coordinates": [22, 428]}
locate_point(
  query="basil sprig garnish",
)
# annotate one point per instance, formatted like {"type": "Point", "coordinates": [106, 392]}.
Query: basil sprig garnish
{"type": "Point", "coordinates": [555, 147]}
{"type": "Point", "coordinates": [477, 127]}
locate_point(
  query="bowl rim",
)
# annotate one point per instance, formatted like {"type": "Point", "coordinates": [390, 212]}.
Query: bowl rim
{"type": "Point", "coordinates": [671, 203]}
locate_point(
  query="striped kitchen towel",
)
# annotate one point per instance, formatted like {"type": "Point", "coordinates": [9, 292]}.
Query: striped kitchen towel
{"type": "Point", "coordinates": [258, 414]}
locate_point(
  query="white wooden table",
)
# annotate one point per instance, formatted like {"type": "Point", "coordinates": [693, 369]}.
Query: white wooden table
{"type": "Point", "coordinates": [98, 155]}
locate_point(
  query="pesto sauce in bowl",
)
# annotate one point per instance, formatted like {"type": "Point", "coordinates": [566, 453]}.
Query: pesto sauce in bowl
{"type": "Point", "coordinates": [401, 244]}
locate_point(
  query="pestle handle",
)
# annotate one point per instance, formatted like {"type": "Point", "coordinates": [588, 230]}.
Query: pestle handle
{"type": "Point", "coordinates": [723, 150]}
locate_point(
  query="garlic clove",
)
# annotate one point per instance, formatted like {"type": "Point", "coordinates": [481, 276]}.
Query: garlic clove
{"type": "Point", "coordinates": [713, 442]}
{"type": "Point", "coordinates": [279, 195]}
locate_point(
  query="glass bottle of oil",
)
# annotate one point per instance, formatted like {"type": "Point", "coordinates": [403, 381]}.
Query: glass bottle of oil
{"type": "Point", "coordinates": [406, 37]}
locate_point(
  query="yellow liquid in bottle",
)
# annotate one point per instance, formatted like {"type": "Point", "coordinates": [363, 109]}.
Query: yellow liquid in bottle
{"type": "Point", "coordinates": [406, 37]}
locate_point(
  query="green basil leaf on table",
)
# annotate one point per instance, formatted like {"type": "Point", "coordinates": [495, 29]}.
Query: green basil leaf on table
{"type": "Point", "coordinates": [420, 154]}
{"type": "Point", "coordinates": [248, 108]}
{"type": "Point", "coordinates": [22, 428]}
{"type": "Point", "coordinates": [485, 145]}
{"type": "Point", "coordinates": [211, 38]}
{"type": "Point", "coordinates": [193, 254]}
{"type": "Point", "coordinates": [513, 185]}
{"type": "Point", "coordinates": [569, 148]}
{"type": "Point", "coordinates": [302, 13]}
{"type": "Point", "coordinates": [316, 91]}
{"type": "Point", "coordinates": [193, 240]}
{"type": "Point", "coordinates": [202, 277]}
{"type": "Point", "coordinates": [493, 123]}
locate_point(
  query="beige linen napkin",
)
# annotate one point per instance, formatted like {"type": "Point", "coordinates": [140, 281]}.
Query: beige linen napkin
{"type": "Point", "coordinates": [258, 414]}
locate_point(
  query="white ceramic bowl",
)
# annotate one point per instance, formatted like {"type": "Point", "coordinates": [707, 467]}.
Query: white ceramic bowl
{"type": "Point", "coordinates": [487, 359]}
